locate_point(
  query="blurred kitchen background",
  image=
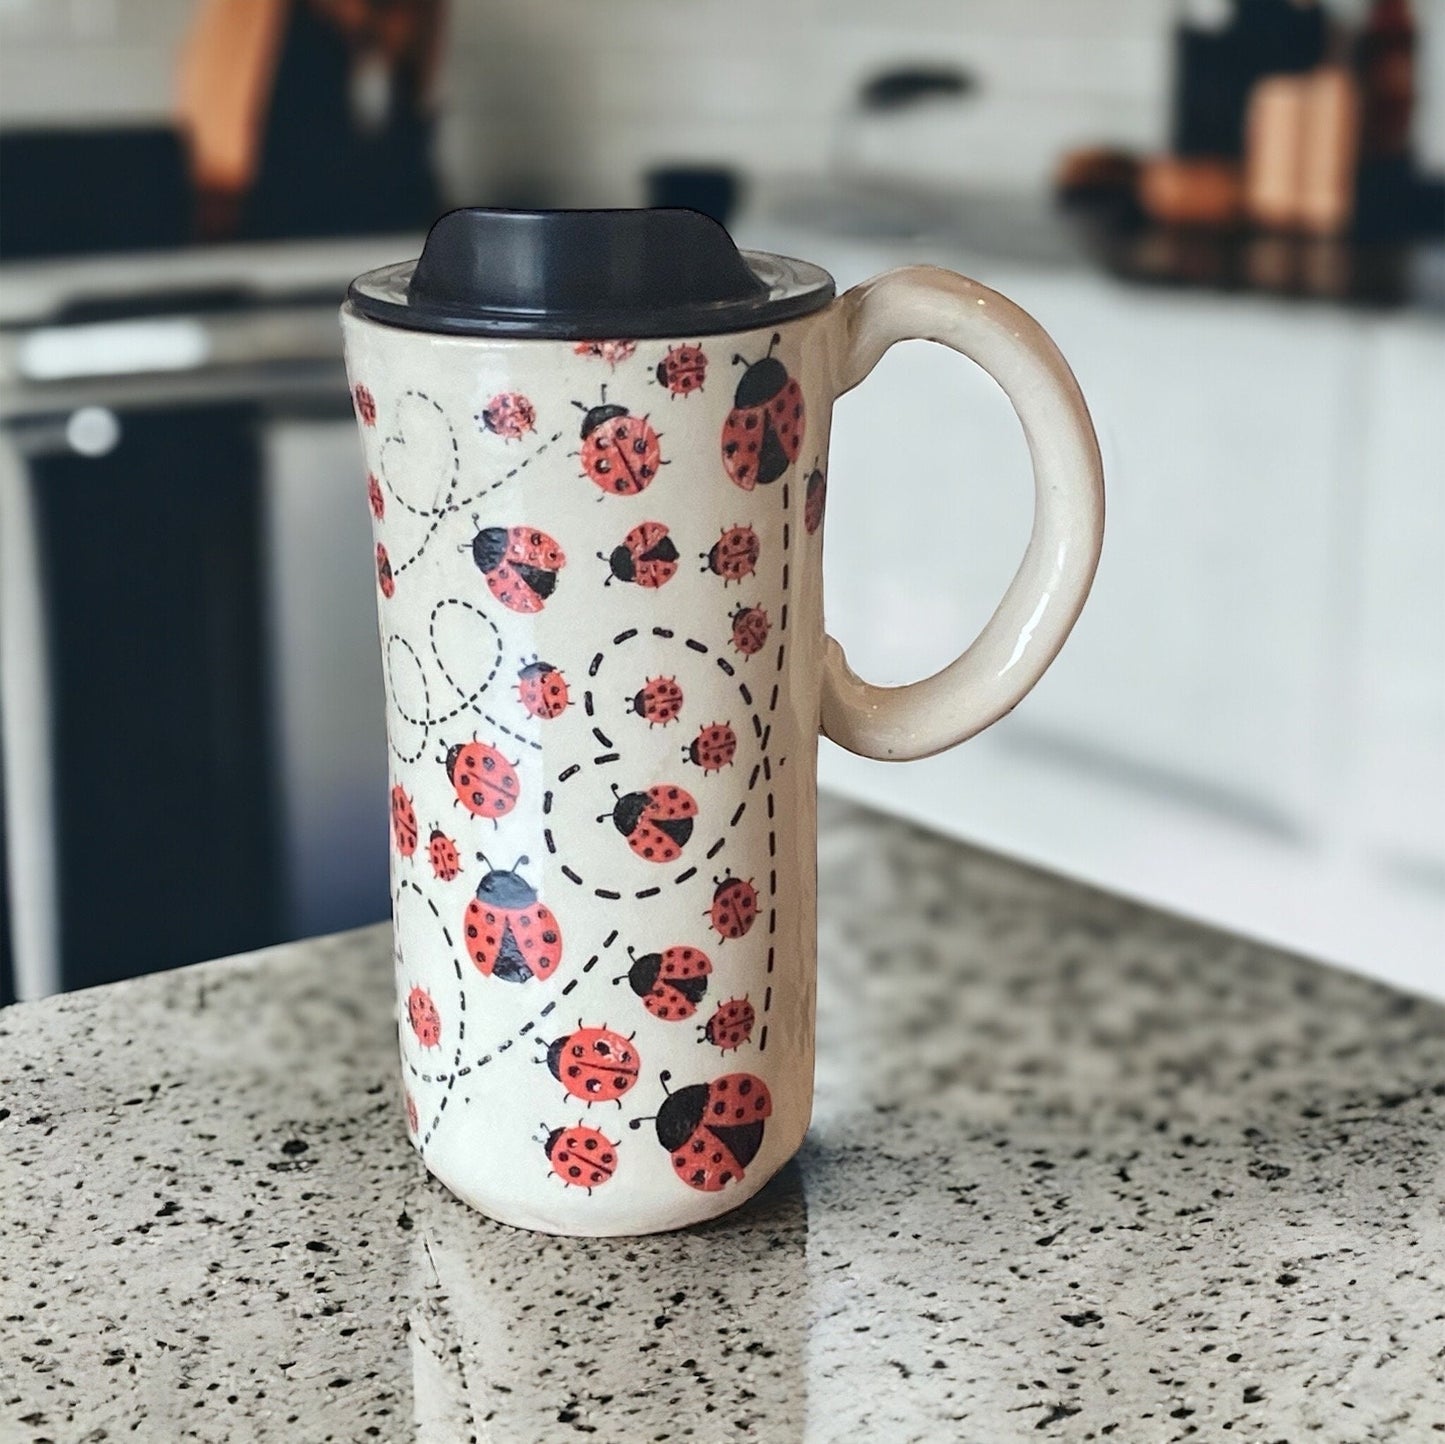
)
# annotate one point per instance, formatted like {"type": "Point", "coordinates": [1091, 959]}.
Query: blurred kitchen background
{"type": "Point", "coordinates": [1229, 215]}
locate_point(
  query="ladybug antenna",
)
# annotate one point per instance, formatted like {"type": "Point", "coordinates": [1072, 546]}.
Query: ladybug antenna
{"type": "Point", "coordinates": [777, 336]}
{"type": "Point", "coordinates": [665, 1077]}
{"type": "Point", "coordinates": [739, 360]}
{"type": "Point", "coordinates": [520, 861]}
{"type": "Point", "coordinates": [621, 977]}
{"type": "Point", "coordinates": [638, 1122]}
{"type": "Point", "coordinates": [604, 393]}
{"type": "Point", "coordinates": [482, 857]}
{"type": "Point", "coordinates": [581, 406]}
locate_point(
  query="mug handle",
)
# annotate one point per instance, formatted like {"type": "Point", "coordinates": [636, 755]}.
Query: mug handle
{"type": "Point", "coordinates": [1047, 592]}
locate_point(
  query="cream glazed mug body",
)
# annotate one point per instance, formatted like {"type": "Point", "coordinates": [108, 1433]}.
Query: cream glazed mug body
{"type": "Point", "coordinates": [600, 599]}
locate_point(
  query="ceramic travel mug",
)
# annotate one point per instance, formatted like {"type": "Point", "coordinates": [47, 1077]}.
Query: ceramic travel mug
{"type": "Point", "coordinates": [597, 446]}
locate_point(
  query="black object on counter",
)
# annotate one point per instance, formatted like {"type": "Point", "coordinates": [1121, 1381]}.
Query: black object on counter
{"type": "Point", "coordinates": [713, 190]}
{"type": "Point", "coordinates": [1215, 70]}
{"type": "Point", "coordinates": [78, 191]}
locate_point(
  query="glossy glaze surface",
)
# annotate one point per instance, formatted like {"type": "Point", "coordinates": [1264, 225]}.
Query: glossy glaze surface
{"type": "Point", "coordinates": [600, 600]}
{"type": "Point", "coordinates": [1077, 1171]}
{"type": "Point", "coordinates": [697, 479]}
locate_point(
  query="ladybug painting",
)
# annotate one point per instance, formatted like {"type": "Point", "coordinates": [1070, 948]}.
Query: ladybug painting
{"type": "Point", "coordinates": [609, 351]}
{"type": "Point", "coordinates": [647, 556]}
{"type": "Point", "coordinates": [425, 1021]}
{"type": "Point", "coordinates": [659, 701]}
{"type": "Point", "coordinates": [365, 405]}
{"type": "Point", "coordinates": [412, 1122]}
{"type": "Point", "coordinates": [731, 1026]}
{"type": "Point", "coordinates": [713, 1130]}
{"type": "Point", "coordinates": [594, 1064]}
{"type": "Point", "coordinates": [403, 821]}
{"type": "Point", "coordinates": [734, 907]}
{"type": "Point", "coordinates": [656, 823]}
{"type": "Point", "coordinates": [734, 554]}
{"type": "Point", "coordinates": [374, 496]}
{"type": "Point", "coordinates": [442, 851]}
{"type": "Point", "coordinates": [486, 783]}
{"type": "Point", "coordinates": [509, 934]}
{"type": "Point", "coordinates": [542, 690]}
{"type": "Point", "coordinates": [682, 370]}
{"type": "Point", "coordinates": [713, 748]}
{"type": "Point", "coordinates": [384, 578]}
{"type": "Point", "coordinates": [581, 1157]}
{"type": "Point", "coordinates": [764, 431]}
{"type": "Point", "coordinates": [815, 500]}
{"type": "Point", "coordinates": [621, 452]}
{"type": "Point", "coordinates": [509, 415]}
{"type": "Point", "coordinates": [671, 983]}
{"type": "Point", "coordinates": [750, 630]}
{"type": "Point", "coordinates": [520, 564]}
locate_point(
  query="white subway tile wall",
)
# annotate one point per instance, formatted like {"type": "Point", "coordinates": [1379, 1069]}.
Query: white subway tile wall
{"type": "Point", "coordinates": [570, 101]}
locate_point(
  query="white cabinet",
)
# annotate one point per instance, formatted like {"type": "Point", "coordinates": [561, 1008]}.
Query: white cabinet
{"type": "Point", "coordinates": [1401, 577]}
{"type": "Point", "coordinates": [1248, 724]}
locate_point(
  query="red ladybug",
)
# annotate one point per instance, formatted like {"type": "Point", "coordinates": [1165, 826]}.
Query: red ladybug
{"type": "Point", "coordinates": [713, 1130]}
{"type": "Point", "coordinates": [646, 555]}
{"type": "Point", "coordinates": [594, 1064]}
{"type": "Point", "coordinates": [412, 1122]}
{"type": "Point", "coordinates": [682, 370]}
{"type": "Point", "coordinates": [656, 823]}
{"type": "Point", "coordinates": [671, 983]}
{"type": "Point", "coordinates": [509, 934]}
{"type": "Point", "coordinates": [609, 351]}
{"type": "Point", "coordinates": [403, 821]}
{"type": "Point", "coordinates": [365, 404]}
{"type": "Point", "coordinates": [731, 1026]}
{"type": "Point", "coordinates": [520, 564]}
{"type": "Point", "coordinates": [425, 1021]}
{"type": "Point", "coordinates": [374, 496]}
{"type": "Point", "coordinates": [486, 783]}
{"type": "Point", "coordinates": [734, 554]}
{"type": "Point", "coordinates": [384, 578]}
{"type": "Point", "coordinates": [443, 854]}
{"type": "Point", "coordinates": [543, 690]}
{"type": "Point", "coordinates": [764, 431]}
{"type": "Point", "coordinates": [659, 701]}
{"type": "Point", "coordinates": [750, 629]}
{"type": "Point", "coordinates": [713, 748]}
{"type": "Point", "coordinates": [581, 1157]}
{"type": "Point", "coordinates": [620, 452]}
{"type": "Point", "coordinates": [509, 415]}
{"type": "Point", "coordinates": [815, 500]}
{"type": "Point", "coordinates": [734, 907]}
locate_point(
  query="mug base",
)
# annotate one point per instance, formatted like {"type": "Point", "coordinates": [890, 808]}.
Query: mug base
{"type": "Point", "coordinates": [561, 1218]}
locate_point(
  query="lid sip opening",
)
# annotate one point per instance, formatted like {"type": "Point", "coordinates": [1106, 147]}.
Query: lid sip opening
{"type": "Point", "coordinates": [587, 274]}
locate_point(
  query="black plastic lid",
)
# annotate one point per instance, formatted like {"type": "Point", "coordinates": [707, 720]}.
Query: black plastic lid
{"type": "Point", "coordinates": [584, 275]}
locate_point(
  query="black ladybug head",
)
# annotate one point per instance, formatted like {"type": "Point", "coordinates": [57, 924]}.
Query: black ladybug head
{"type": "Point", "coordinates": [623, 564]}
{"type": "Point", "coordinates": [762, 380]}
{"type": "Point", "coordinates": [554, 1057]}
{"type": "Point", "coordinates": [453, 753]}
{"type": "Point", "coordinates": [536, 669]}
{"type": "Point", "coordinates": [642, 975]}
{"type": "Point", "coordinates": [506, 888]}
{"type": "Point", "coordinates": [489, 546]}
{"type": "Point", "coordinates": [551, 1143]}
{"type": "Point", "coordinates": [596, 415]}
{"type": "Point", "coordinates": [680, 1114]}
{"type": "Point", "coordinates": [628, 812]}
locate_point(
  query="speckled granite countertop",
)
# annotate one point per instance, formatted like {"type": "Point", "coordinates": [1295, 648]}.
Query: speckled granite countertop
{"type": "Point", "coordinates": [1077, 1172]}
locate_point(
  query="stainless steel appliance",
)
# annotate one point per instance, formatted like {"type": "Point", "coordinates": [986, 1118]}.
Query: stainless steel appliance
{"type": "Point", "coordinates": [175, 435]}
